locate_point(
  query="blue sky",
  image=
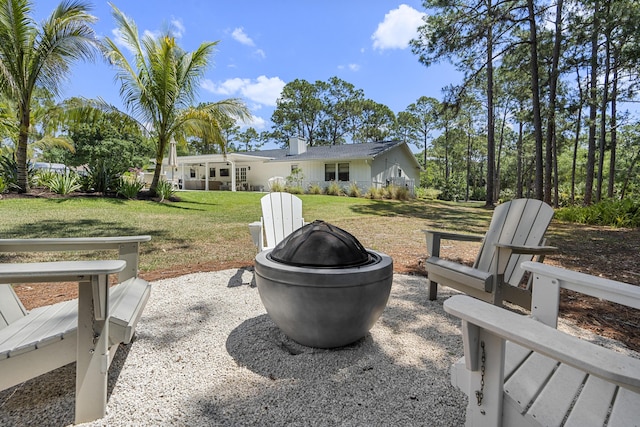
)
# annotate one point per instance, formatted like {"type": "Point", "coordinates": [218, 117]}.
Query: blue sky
{"type": "Point", "coordinates": [265, 44]}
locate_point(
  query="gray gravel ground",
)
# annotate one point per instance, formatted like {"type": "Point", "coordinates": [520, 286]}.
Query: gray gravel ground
{"type": "Point", "coordinates": [207, 354]}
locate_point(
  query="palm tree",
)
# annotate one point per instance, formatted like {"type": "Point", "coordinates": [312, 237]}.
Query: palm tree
{"type": "Point", "coordinates": [159, 88]}
{"type": "Point", "coordinates": [33, 55]}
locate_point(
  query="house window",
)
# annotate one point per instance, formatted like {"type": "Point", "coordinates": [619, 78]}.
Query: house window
{"type": "Point", "coordinates": [241, 174]}
{"type": "Point", "coordinates": [343, 171]}
{"type": "Point", "coordinates": [293, 168]}
{"type": "Point", "coordinates": [212, 172]}
{"type": "Point", "coordinates": [399, 172]}
{"type": "Point", "coordinates": [224, 172]}
{"type": "Point", "coordinates": [330, 172]}
{"type": "Point", "coordinates": [192, 173]}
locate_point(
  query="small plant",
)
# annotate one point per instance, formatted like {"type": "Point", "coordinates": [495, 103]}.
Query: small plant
{"type": "Point", "coordinates": [64, 183]}
{"type": "Point", "coordinates": [3, 187]}
{"type": "Point", "coordinates": [296, 178]}
{"type": "Point", "coordinates": [354, 190]}
{"type": "Point", "coordinates": [315, 189]}
{"type": "Point", "coordinates": [334, 189]}
{"type": "Point", "coordinates": [129, 186]}
{"type": "Point", "coordinates": [427, 193]}
{"type": "Point", "coordinates": [44, 178]}
{"type": "Point", "coordinates": [295, 190]}
{"type": "Point", "coordinates": [374, 193]}
{"type": "Point", "coordinates": [401, 193]}
{"type": "Point", "coordinates": [277, 187]}
{"type": "Point", "coordinates": [164, 190]}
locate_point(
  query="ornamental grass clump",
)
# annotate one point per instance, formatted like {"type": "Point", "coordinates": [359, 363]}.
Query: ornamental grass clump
{"type": "Point", "coordinates": [164, 190]}
{"type": "Point", "coordinates": [129, 186]}
{"type": "Point", "coordinates": [63, 184]}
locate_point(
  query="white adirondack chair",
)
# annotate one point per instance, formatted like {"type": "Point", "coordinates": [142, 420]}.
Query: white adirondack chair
{"type": "Point", "coordinates": [281, 216]}
{"type": "Point", "coordinates": [521, 371]}
{"type": "Point", "coordinates": [46, 338]}
{"type": "Point", "coordinates": [515, 235]}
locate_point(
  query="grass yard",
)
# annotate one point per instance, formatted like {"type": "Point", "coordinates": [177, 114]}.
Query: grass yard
{"type": "Point", "coordinates": [208, 229]}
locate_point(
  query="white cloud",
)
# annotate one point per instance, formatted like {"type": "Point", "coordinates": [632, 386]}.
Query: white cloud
{"type": "Point", "coordinates": [241, 37]}
{"type": "Point", "coordinates": [177, 27]}
{"type": "Point", "coordinates": [258, 123]}
{"type": "Point", "coordinates": [398, 28]}
{"type": "Point", "coordinates": [260, 53]}
{"type": "Point", "coordinates": [263, 90]}
{"type": "Point", "coordinates": [152, 34]}
{"type": "Point", "coordinates": [351, 67]}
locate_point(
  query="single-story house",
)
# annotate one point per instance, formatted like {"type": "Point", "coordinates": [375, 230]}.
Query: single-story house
{"type": "Point", "coordinates": [369, 164]}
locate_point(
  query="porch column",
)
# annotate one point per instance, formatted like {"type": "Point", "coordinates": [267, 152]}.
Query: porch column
{"type": "Point", "coordinates": [206, 176]}
{"type": "Point", "coordinates": [233, 175]}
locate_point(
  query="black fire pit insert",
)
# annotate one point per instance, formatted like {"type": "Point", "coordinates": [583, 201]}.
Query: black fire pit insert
{"type": "Point", "coordinates": [321, 244]}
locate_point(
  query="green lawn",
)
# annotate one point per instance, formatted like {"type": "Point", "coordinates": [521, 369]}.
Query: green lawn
{"type": "Point", "coordinates": [206, 229]}
{"type": "Point", "coordinates": [209, 230]}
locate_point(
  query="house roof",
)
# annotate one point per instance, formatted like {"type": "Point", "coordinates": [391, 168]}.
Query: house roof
{"type": "Point", "coordinates": [367, 150]}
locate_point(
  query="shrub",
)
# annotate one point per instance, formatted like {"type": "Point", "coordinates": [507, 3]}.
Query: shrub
{"type": "Point", "coordinates": [315, 189]}
{"type": "Point", "coordinates": [354, 190]}
{"type": "Point", "coordinates": [450, 191]}
{"type": "Point", "coordinates": [64, 183]}
{"type": "Point", "coordinates": [164, 190]}
{"type": "Point", "coordinates": [276, 187]}
{"type": "Point", "coordinates": [295, 190]}
{"type": "Point", "coordinates": [614, 213]}
{"type": "Point", "coordinates": [102, 178]}
{"type": "Point", "coordinates": [44, 178]}
{"type": "Point", "coordinates": [129, 186]}
{"type": "Point", "coordinates": [334, 189]}
{"type": "Point", "coordinates": [427, 193]}
{"type": "Point", "coordinates": [3, 186]}
{"type": "Point", "coordinates": [401, 193]}
{"type": "Point", "coordinates": [374, 193]}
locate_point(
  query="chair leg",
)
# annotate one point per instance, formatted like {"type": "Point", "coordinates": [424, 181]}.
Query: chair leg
{"type": "Point", "coordinates": [433, 290]}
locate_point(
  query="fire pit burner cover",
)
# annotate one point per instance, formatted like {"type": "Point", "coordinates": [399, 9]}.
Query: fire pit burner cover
{"type": "Point", "coordinates": [321, 244]}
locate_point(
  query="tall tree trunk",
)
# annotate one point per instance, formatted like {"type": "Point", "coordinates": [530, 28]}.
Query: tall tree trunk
{"type": "Point", "coordinates": [593, 107]}
{"type": "Point", "coordinates": [614, 134]}
{"type": "Point", "coordinates": [577, 137]}
{"type": "Point", "coordinates": [491, 141]}
{"type": "Point", "coordinates": [602, 141]}
{"type": "Point", "coordinates": [551, 120]}
{"type": "Point", "coordinates": [535, 89]}
{"type": "Point", "coordinates": [519, 160]}
{"type": "Point", "coordinates": [469, 141]}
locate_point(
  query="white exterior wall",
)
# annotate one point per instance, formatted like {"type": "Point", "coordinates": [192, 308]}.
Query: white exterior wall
{"type": "Point", "coordinates": [394, 164]}
{"type": "Point", "coordinates": [364, 172]}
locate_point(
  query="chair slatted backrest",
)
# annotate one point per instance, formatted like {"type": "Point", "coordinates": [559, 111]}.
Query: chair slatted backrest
{"type": "Point", "coordinates": [518, 222]}
{"type": "Point", "coordinates": [11, 309]}
{"type": "Point", "coordinates": [281, 215]}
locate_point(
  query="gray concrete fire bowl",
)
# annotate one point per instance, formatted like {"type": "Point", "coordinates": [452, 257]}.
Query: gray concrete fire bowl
{"type": "Point", "coordinates": [324, 307]}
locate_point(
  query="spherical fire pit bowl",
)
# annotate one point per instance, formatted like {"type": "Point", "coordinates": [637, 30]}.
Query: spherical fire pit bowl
{"type": "Point", "coordinates": [321, 287]}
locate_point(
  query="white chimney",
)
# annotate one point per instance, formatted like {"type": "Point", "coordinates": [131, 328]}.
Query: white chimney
{"type": "Point", "coordinates": [297, 145]}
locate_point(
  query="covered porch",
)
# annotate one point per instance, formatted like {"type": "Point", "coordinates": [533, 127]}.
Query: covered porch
{"type": "Point", "coordinates": [211, 172]}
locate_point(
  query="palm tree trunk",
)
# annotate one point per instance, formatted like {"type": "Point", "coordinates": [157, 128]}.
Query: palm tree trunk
{"type": "Point", "coordinates": [21, 151]}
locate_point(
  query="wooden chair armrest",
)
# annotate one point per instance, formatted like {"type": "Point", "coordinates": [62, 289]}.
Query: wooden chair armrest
{"type": "Point", "coordinates": [128, 247]}
{"type": "Point", "coordinates": [527, 332]}
{"type": "Point", "coordinates": [68, 243]}
{"type": "Point", "coordinates": [446, 235]}
{"type": "Point", "coordinates": [434, 237]}
{"type": "Point", "coordinates": [599, 287]}
{"type": "Point", "coordinates": [532, 250]}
